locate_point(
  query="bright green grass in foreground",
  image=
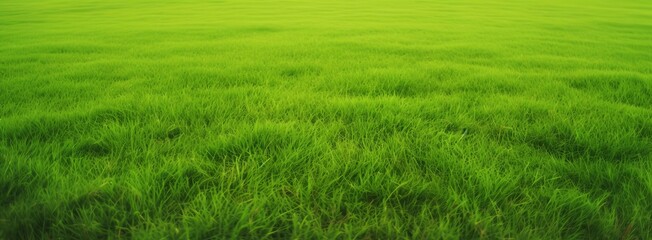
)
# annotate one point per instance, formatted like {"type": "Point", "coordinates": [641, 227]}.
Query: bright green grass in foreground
{"type": "Point", "coordinates": [326, 119]}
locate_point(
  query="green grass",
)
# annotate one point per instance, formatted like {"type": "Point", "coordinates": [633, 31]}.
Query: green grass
{"type": "Point", "coordinates": [334, 119]}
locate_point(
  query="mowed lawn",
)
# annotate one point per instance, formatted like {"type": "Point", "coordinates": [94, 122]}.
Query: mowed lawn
{"type": "Point", "coordinates": [337, 119]}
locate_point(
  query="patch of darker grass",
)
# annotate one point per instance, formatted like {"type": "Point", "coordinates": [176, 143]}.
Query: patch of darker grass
{"type": "Point", "coordinates": [563, 143]}
{"type": "Point", "coordinates": [29, 222]}
{"type": "Point", "coordinates": [268, 140]}
{"type": "Point", "coordinates": [37, 129]}
{"type": "Point", "coordinates": [169, 133]}
{"type": "Point", "coordinates": [299, 71]}
{"type": "Point", "coordinates": [109, 114]}
{"type": "Point", "coordinates": [181, 185]}
{"type": "Point", "coordinates": [93, 148]}
{"type": "Point", "coordinates": [10, 191]}
{"type": "Point", "coordinates": [623, 87]}
{"type": "Point", "coordinates": [19, 182]}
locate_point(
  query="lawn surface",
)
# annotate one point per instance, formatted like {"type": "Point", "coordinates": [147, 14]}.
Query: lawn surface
{"type": "Point", "coordinates": [326, 119]}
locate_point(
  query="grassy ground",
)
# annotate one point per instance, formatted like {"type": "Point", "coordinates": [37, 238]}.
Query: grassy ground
{"type": "Point", "coordinates": [326, 119]}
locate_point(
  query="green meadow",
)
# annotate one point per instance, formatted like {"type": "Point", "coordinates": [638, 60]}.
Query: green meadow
{"type": "Point", "coordinates": [333, 119]}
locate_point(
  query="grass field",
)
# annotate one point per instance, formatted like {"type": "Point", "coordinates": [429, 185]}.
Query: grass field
{"type": "Point", "coordinates": [302, 119]}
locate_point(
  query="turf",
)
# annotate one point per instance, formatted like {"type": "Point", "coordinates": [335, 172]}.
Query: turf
{"type": "Point", "coordinates": [335, 119]}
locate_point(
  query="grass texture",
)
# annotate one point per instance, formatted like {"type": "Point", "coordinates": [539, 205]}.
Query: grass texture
{"type": "Point", "coordinates": [305, 119]}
